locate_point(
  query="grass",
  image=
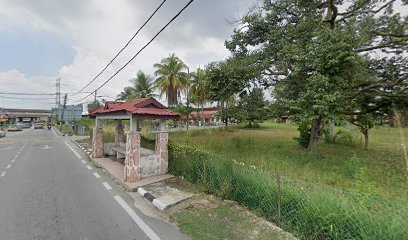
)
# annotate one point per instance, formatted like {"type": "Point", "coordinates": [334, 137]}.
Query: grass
{"type": "Point", "coordinates": [273, 148]}
{"type": "Point", "coordinates": [205, 217]}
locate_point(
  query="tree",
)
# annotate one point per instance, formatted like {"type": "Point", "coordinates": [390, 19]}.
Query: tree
{"type": "Point", "coordinates": [94, 105]}
{"type": "Point", "coordinates": [184, 111]}
{"type": "Point", "coordinates": [253, 107]}
{"type": "Point", "coordinates": [127, 94]}
{"type": "Point", "coordinates": [142, 88]}
{"type": "Point", "coordinates": [318, 58]}
{"type": "Point", "coordinates": [171, 78]}
{"type": "Point", "coordinates": [143, 85]}
{"type": "Point", "coordinates": [198, 91]}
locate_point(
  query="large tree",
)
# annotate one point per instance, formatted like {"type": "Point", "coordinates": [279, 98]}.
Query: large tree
{"type": "Point", "coordinates": [318, 57]}
{"type": "Point", "coordinates": [171, 78]}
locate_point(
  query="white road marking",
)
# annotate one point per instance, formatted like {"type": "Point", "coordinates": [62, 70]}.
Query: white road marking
{"type": "Point", "coordinates": [55, 133]}
{"type": "Point", "coordinates": [89, 167]}
{"type": "Point", "coordinates": [145, 228]}
{"type": "Point", "coordinates": [107, 186]}
{"type": "Point", "coordinates": [83, 161]}
{"type": "Point", "coordinates": [8, 166]}
{"type": "Point", "coordinates": [3, 174]}
{"type": "Point", "coordinates": [96, 175]}
{"type": "Point", "coordinates": [13, 160]}
{"type": "Point", "coordinates": [77, 154]}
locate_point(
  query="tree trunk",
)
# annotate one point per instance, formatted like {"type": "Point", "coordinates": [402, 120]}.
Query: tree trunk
{"type": "Point", "coordinates": [365, 133]}
{"type": "Point", "coordinates": [202, 113]}
{"type": "Point", "coordinates": [315, 132]}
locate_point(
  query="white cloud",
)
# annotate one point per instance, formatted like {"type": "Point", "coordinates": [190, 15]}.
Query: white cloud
{"type": "Point", "coordinates": [99, 28]}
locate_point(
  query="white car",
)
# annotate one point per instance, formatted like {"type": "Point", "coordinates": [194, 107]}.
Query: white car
{"type": "Point", "coordinates": [2, 133]}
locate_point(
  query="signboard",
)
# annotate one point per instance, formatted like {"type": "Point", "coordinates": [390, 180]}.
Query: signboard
{"type": "Point", "coordinates": [3, 118]}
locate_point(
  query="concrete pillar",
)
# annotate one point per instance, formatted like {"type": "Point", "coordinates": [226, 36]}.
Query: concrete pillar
{"type": "Point", "coordinates": [97, 143]}
{"type": "Point", "coordinates": [132, 161]}
{"type": "Point", "coordinates": [162, 139]}
{"type": "Point", "coordinates": [120, 134]}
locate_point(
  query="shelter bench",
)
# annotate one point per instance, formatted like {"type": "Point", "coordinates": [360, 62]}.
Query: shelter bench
{"type": "Point", "coordinates": [120, 152]}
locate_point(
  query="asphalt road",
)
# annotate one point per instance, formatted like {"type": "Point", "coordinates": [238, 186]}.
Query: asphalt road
{"type": "Point", "coordinates": [49, 192]}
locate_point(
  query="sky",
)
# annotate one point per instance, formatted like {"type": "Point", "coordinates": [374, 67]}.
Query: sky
{"type": "Point", "coordinates": [42, 40]}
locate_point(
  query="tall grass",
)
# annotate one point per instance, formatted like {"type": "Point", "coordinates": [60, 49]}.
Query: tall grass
{"type": "Point", "coordinates": [273, 148]}
{"type": "Point", "coordinates": [309, 211]}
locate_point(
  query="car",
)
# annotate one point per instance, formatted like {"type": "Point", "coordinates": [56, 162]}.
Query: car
{"type": "Point", "coordinates": [2, 133]}
{"type": "Point", "coordinates": [14, 128]}
{"type": "Point", "coordinates": [26, 125]}
{"type": "Point", "coordinates": [38, 126]}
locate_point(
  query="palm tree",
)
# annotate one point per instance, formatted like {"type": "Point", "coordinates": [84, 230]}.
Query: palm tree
{"type": "Point", "coordinates": [142, 88]}
{"type": "Point", "coordinates": [198, 89]}
{"type": "Point", "coordinates": [143, 85]}
{"type": "Point", "coordinates": [171, 78]}
{"type": "Point", "coordinates": [127, 94]}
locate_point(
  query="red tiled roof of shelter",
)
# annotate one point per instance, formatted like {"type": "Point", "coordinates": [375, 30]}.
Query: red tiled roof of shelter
{"type": "Point", "coordinates": [143, 106]}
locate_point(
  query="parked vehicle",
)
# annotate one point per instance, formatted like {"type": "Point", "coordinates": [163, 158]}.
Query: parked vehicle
{"type": "Point", "coordinates": [26, 125]}
{"type": "Point", "coordinates": [38, 126]}
{"type": "Point", "coordinates": [14, 128]}
{"type": "Point", "coordinates": [2, 133]}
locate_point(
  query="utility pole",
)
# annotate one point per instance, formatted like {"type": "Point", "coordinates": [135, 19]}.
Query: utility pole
{"type": "Point", "coordinates": [57, 92]}
{"type": "Point", "coordinates": [63, 110]}
{"type": "Point", "coordinates": [95, 97]}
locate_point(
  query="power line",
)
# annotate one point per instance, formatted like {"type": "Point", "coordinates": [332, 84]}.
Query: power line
{"type": "Point", "coordinates": [26, 98]}
{"type": "Point", "coordinates": [147, 44]}
{"type": "Point", "coordinates": [33, 94]}
{"type": "Point", "coordinates": [121, 50]}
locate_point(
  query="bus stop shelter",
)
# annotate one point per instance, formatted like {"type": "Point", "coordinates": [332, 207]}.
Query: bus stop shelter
{"type": "Point", "coordinates": [139, 162]}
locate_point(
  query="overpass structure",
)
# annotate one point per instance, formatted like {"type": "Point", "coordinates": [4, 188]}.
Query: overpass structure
{"type": "Point", "coordinates": [12, 115]}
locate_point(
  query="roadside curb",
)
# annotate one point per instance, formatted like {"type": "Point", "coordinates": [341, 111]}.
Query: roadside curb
{"type": "Point", "coordinates": [147, 195]}
{"type": "Point", "coordinates": [113, 177]}
{"type": "Point", "coordinates": [157, 203]}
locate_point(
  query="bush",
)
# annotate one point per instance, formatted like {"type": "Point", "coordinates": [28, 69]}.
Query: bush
{"type": "Point", "coordinates": [344, 137]}
{"type": "Point", "coordinates": [309, 211]}
{"type": "Point", "coordinates": [304, 134]}
{"type": "Point", "coordinates": [353, 167]}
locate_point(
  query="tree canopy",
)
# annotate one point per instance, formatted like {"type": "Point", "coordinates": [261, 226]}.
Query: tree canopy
{"type": "Point", "coordinates": [322, 60]}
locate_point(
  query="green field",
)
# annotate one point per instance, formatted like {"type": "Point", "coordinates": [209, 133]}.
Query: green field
{"type": "Point", "coordinates": [378, 171]}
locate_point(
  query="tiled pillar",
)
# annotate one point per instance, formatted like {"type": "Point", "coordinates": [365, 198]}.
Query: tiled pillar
{"type": "Point", "coordinates": [97, 144]}
{"type": "Point", "coordinates": [120, 135]}
{"type": "Point", "coordinates": [162, 139]}
{"type": "Point", "coordinates": [132, 160]}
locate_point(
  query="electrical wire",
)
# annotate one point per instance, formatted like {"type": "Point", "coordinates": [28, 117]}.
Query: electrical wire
{"type": "Point", "coordinates": [121, 50]}
{"type": "Point", "coordinates": [147, 44]}
{"type": "Point", "coordinates": [30, 94]}
{"type": "Point", "coordinates": [27, 98]}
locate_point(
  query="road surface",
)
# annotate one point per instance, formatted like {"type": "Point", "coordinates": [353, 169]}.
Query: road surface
{"type": "Point", "coordinates": [49, 192]}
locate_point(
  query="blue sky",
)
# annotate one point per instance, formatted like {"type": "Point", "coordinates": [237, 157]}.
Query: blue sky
{"type": "Point", "coordinates": [34, 53]}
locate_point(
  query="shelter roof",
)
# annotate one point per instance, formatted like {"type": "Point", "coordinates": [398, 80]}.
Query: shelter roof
{"type": "Point", "coordinates": [143, 106]}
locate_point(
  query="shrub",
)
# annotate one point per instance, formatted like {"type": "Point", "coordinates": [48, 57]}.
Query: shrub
{"type": "Point", "coordinates": [304, 134]}
{"type": "Point", "coordinates": [353, 167]}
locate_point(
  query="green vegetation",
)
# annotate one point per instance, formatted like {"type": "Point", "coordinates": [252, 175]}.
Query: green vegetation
{"type": "Point", "coordinates": [379, 171]}
{"type": "Point", "coordinates": [210, 218]}
{"type": "Point", "coordinates": [308, 210]}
